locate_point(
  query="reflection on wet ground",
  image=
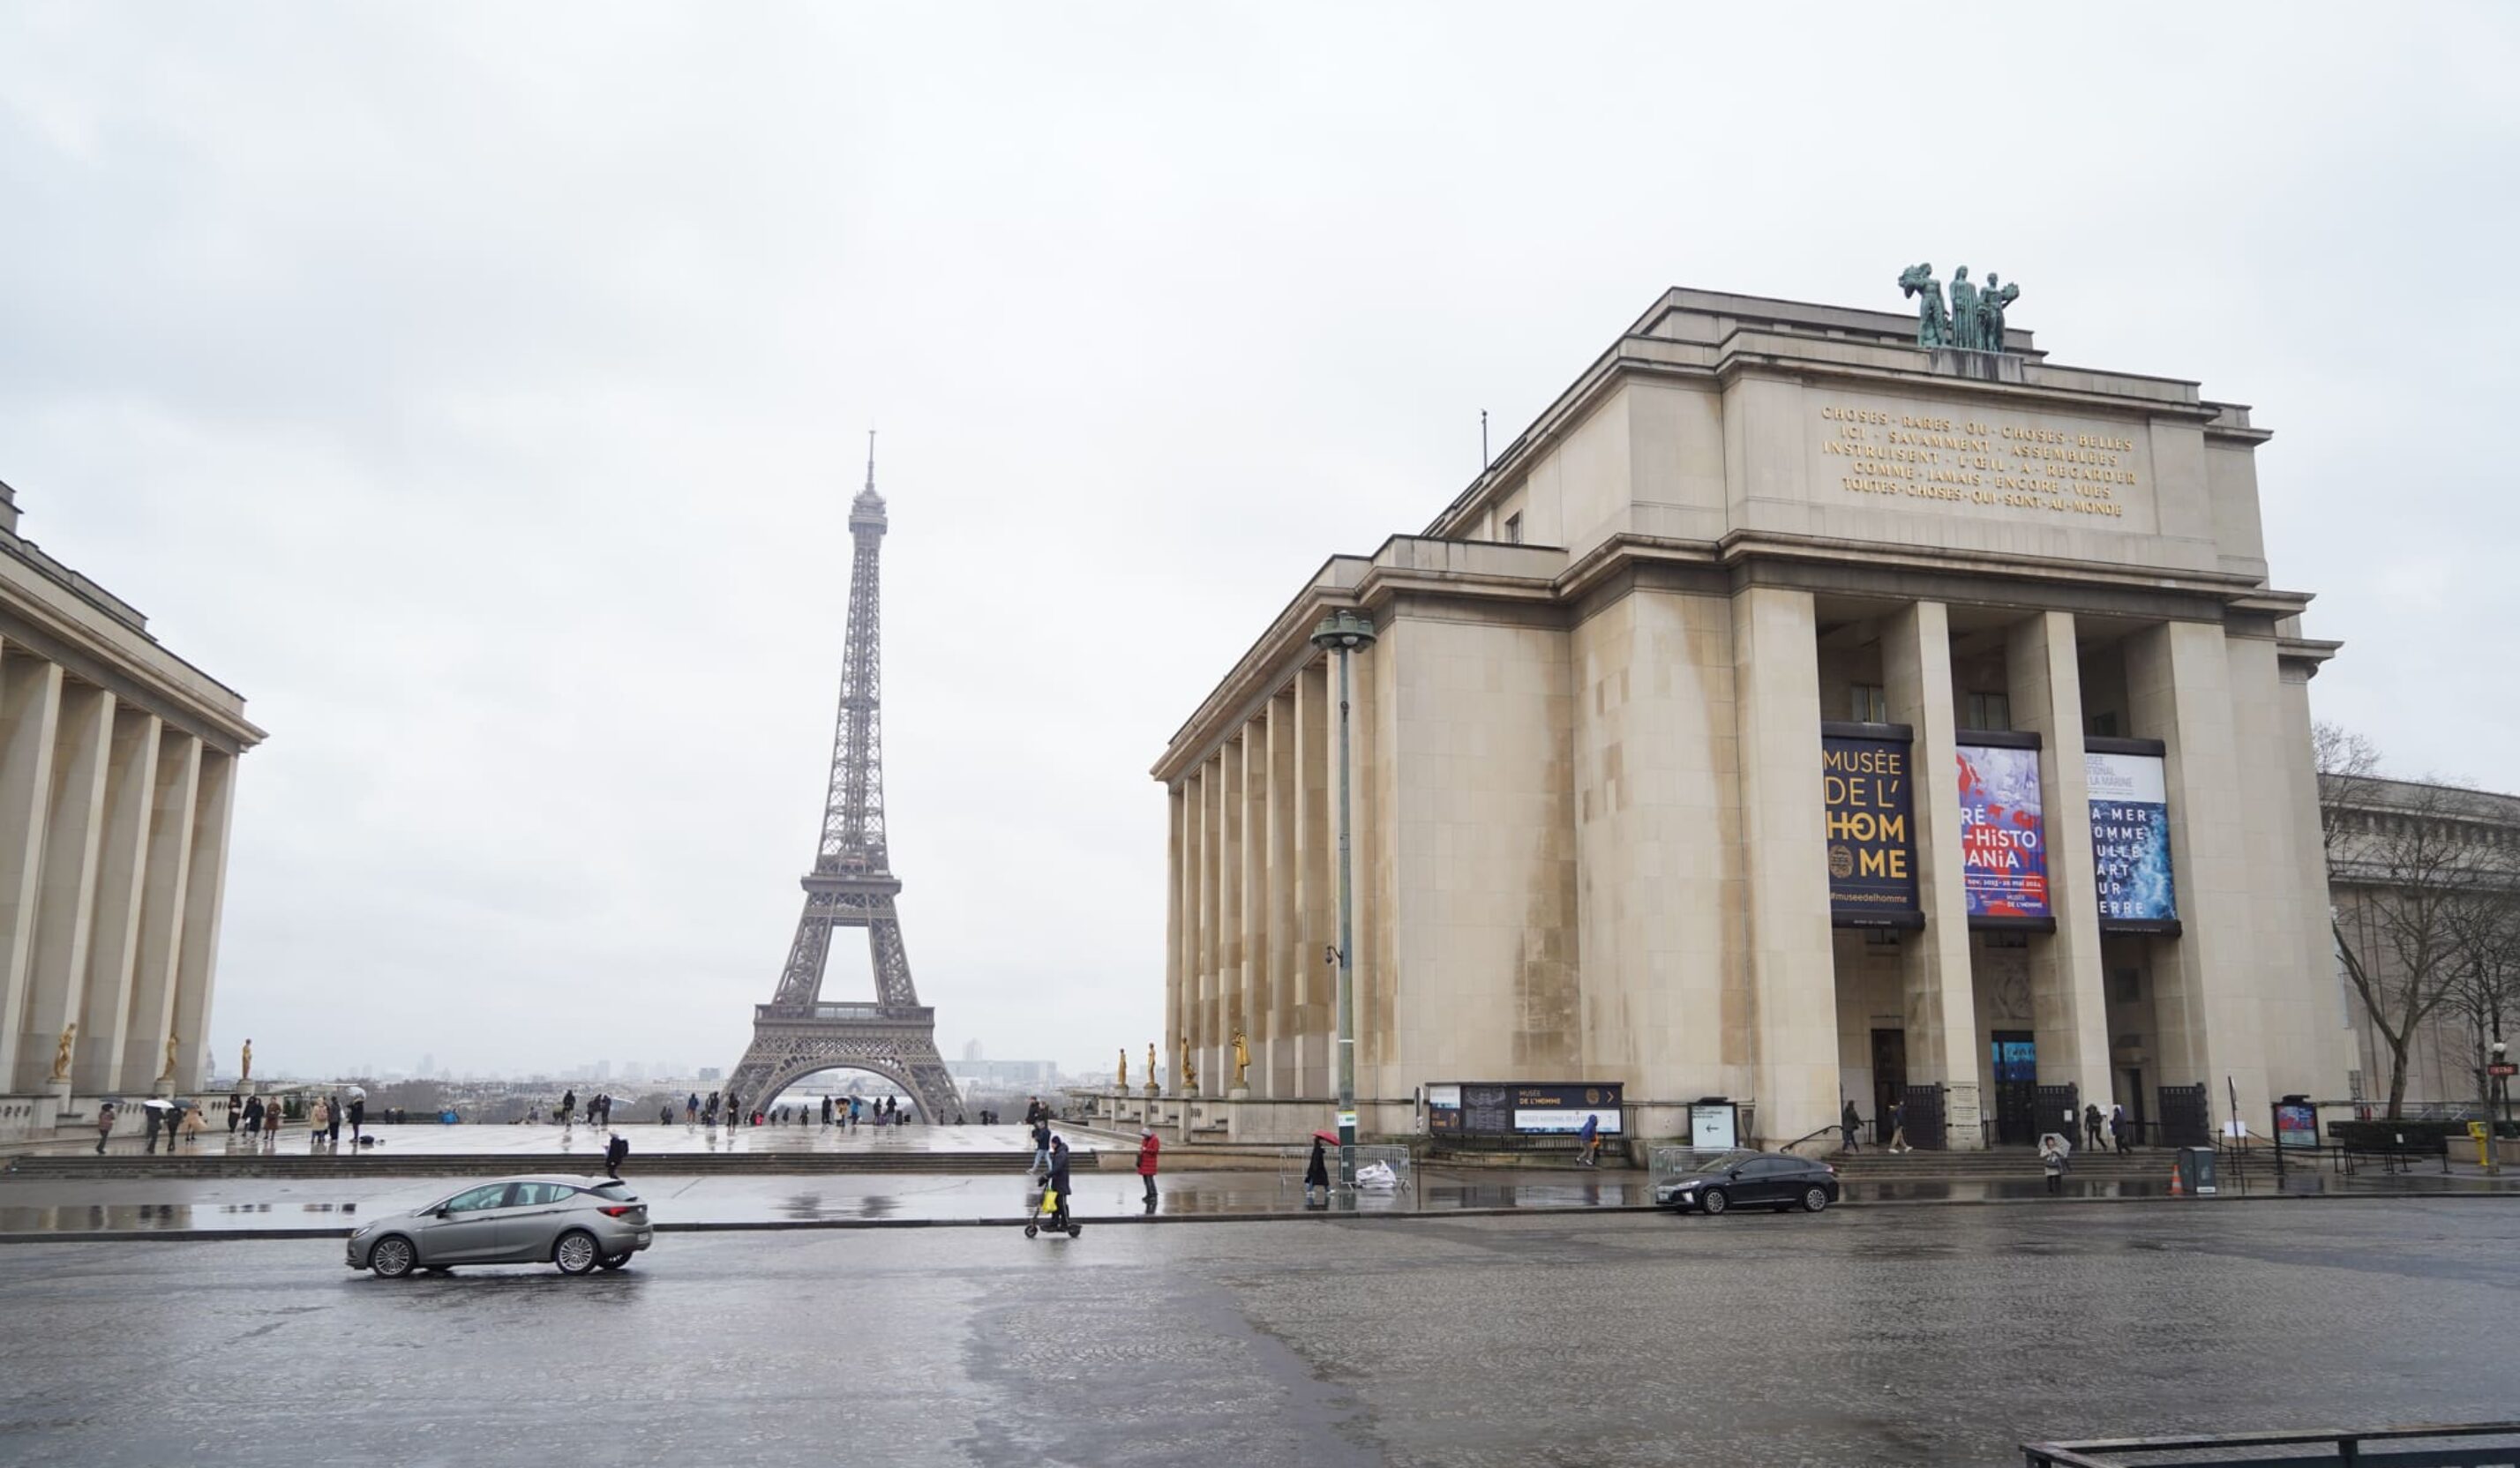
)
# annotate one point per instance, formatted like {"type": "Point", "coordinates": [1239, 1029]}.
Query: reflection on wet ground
{"type": "Point", "coordinates": [75, 1205]}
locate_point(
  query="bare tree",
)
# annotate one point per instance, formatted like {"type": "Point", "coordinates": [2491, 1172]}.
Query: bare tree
{"type": "Point", "coordinates": [2486, 990]}
{"type": "Point", "coordinates": [2406, 861]}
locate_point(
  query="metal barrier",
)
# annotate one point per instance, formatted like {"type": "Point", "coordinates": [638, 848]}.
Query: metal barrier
{"type": "Point", "coordinates": [1667, 1162]}
{"type": "Point", "coordinates": [2443, 1445]}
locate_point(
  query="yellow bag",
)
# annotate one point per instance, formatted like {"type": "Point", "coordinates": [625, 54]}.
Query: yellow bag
{"type": "Point", "coordinates": [1049, 1202]}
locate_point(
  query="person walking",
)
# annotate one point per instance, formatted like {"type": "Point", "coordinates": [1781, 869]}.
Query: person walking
{"type": "Point", "coordinates": [235, 1110]}
{"type": "Point", "coordinates": [2052, 1157]}
{"type": "Point", "coordinates": [333, 1129]}
{"type": "Point", "coordinates": [692, 1109]}
{"type": "Point", "coordinates": [153, 1115]}
{"type": "Point", "coordinates": [358, 1114]}
{"type": "Point", "coordinates": [1317, 1176]}
{"type": "Point", "coordinates": [1591, 1140]}
{"type": "Point", "coordinates": [1850, 1124]}
{"type": "Point", "coordinates": [253, 1119]}
{"type": "Point", "coordinates": [614, 1152]}
{"type": "Point", "coordinates": [1041, 1140]}
{"type": "Point", "coordinates": [194, 1125]}
{"type": "Point", "coordinates": [316, 1117]}
{"type": "Point", "coordinates": [1899, 1127]}
{"type": "Point", "coordinates": [2120, 1127]}
{"type": "Point", "coordinates": [2092, 1126]}
{"type": "Point", "coordinates": [1147, 1147]}
{"type": "Point", "coordinates": [1059, 1182]}
{"type": "Point", "coordinates": [569, 1107]}
{"type": "Point", "coordinates": [105, 1117]}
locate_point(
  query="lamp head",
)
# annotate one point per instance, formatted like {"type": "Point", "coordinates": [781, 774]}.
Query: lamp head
{"type": "Point", "coordinates": [1343, 631]}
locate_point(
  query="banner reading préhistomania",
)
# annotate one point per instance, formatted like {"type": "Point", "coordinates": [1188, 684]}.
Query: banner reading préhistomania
{"type": "Point", "coordinates": [2130, 837]}
{"type": "Point", "coordinates": [2004, 851]}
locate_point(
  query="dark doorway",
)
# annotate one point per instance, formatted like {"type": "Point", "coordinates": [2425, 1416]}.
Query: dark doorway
{"type": "Point", "coordinates": [1889, 1078]}
{"type": "Point", "coordinates": [2016, 1087]}
{"type": "Point", "coordinates": [2134, 1103]}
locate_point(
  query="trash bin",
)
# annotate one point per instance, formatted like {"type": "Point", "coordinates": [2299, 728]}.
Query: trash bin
{"type": "Point", "coordinates": [2197, 1172]}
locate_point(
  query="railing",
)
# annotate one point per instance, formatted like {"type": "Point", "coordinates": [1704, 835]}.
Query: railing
{"type": "Point", "coordinates": [2443, 1448]}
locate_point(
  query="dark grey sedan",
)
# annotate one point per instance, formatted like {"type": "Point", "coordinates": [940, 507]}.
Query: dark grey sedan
{"type": "Point", "coordinates": [1750, 1179]}
{"type": "Point", "coordinates": [579, 1223]}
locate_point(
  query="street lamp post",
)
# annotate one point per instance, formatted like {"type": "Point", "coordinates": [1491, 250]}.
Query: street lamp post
{"type": "Point", "coordinates": [1342, 632]}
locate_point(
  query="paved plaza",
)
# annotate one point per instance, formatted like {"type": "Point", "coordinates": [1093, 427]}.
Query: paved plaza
{"type": "Point", "coordinates": [1906, 1336]}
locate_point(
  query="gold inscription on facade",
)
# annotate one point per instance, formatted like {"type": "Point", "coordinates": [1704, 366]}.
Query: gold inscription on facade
{"type": "Point", "coordinates": [1970, 462]}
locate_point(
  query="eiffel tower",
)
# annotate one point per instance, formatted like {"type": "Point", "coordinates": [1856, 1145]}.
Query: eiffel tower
{"type": "Point", "coordinates": [851, 886]}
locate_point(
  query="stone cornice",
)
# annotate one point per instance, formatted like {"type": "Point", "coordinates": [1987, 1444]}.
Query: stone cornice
{"type": "Point", "coordinates": [46, 618]}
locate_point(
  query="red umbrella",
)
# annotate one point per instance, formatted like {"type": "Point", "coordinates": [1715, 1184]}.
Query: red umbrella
{"type": "Point", "coordinates": [1329, 1136]}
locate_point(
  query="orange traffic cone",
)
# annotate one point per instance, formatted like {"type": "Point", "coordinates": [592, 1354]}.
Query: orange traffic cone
{"type": "Point", "coordinates": [2175, 1190]}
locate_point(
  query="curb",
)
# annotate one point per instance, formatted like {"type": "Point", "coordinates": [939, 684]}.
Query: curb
{"type": "Point", "coordinates": [1013, 1221]}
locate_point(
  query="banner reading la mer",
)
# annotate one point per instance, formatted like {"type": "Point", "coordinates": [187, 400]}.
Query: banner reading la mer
{"type": "Point", "coordinates": [1866, 787]}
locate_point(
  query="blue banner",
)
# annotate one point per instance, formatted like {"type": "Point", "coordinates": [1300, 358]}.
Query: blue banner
{"type": "Point", "coordinates": [2130, 837]}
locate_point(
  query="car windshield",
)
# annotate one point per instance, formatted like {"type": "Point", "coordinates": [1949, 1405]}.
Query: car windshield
{"type": "Point", "coordinates": [1718, 1162]}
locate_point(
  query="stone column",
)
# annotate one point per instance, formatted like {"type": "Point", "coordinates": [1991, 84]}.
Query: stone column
{"type": "Point", "coordinates": [204, 893]}
{"type": "Point", "coordinates": [31, 706]}
{"type": "Point", "coordinates": [1252, 1000]}
{"type": "Point", "coordinates": [1177, 929]}
{"type": "Point", "coordinates": [114, 934]}
{"type": "Point", "coordinates": [1203, 1005]}
{"type": "Point", "coordinates": [1285, 957]}
{"type": "Point", "coordinates": [1216, 1061]}
{"type": "Point", "coordinates": [2069, 998]}
{"type": "Point", "coordinates": [1793, 972]}
{"type": "Point", "coordinates": [2179, 691]}
{"type": "Point", "coordinates": [162, 912]}
{"type": "Point", "coordinates": [1316, 856]}
{"type": "Point", "coordinates": [65, 904]}
{"type": "Point", "coordinates": [1940, 979]}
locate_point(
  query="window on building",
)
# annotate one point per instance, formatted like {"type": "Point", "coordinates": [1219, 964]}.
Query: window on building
{"type": "Point", "coordinates": [1881, 937]}
{"type": "Point", "coordinates": [1990, 711]}
{"type": "Point", "coordinates": [1513, 528]}
{"type": "Point", "coordinates": [2007, 938]}
{"type": "Point", "coordinates": [2104, 726]}
{"type": "Point", "coordinates": [2126, 986]}
{"type": "Point", "coordinates": [1868, 705]}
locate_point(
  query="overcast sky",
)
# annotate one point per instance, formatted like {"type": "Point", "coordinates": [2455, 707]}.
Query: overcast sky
{"type": "Point", "coordinates": [479, 390]}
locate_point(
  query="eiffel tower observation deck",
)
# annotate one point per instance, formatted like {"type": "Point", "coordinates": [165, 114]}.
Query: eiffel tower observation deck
{"type": "Point", "coordinates": [851, 885]}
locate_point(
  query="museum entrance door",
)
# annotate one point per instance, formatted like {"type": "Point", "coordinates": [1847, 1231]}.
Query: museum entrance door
{"type": "Point", "coordinates": [2016, 1087]}
{"type": "Point", "coordinates": [1889, 1078]}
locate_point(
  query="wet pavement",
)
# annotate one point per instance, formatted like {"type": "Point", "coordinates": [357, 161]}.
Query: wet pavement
{"type": "Point", "coordinates": [1891, 1336]}
{"type": "Point", "coordinates": [258, 1205]}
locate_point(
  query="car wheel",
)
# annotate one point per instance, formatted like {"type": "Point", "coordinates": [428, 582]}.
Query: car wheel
{"type": "Point", "coordinates": [576, 1252]}
{"type": "Point", "coordinates": [615, 1261]}
{"type": "Point", "coordinates": [392, 1257]}
{"type": "Point", "coordinates": [1716, 1200]}
{"type": "Point", "coordinates": [1815, 1198]}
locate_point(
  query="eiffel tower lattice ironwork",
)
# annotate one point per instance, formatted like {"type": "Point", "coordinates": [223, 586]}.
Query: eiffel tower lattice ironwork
{"type": "Point", "coordinates": [851, 886]}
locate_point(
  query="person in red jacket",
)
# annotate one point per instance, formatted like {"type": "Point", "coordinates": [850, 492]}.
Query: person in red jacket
{"type": "Point", "coordinates": [1147, 1147]}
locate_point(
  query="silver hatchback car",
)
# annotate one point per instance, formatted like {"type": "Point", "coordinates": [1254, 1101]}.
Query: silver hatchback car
{"type": "Point", "coordinates": [579, 1223]}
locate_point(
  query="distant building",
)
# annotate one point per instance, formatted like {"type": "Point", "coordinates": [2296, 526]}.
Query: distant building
{"type": "Point", "coordinates": [1005, 1073]}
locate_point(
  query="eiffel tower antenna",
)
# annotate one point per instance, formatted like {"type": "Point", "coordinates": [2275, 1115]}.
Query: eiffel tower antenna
{"type": "Point", "coordinates": [851, 885]}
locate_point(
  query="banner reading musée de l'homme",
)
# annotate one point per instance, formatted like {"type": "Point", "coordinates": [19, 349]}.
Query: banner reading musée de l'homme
{"type": "Point", "coordinates": [1872, 864]}
{"type": "Point", "coordinates": [2130, 837]}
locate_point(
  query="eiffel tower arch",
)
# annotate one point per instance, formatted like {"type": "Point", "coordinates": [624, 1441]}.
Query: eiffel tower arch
{"type": "Point", "coordinates": [851, 886]}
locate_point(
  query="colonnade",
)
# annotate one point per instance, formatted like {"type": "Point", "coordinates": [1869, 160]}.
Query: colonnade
{"type": "Point", "coordinates": [1252, 907]}
{"type": "Point", "coordinates": [113, 834]}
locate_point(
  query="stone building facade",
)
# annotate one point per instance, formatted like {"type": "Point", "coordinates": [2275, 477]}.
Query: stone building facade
{"type": "Point", "coordinates": [2387, 837]}
{"type": "Point", "coordinates": [1633, 756]}
{"type": "Point", "coordinates": [117, 780]}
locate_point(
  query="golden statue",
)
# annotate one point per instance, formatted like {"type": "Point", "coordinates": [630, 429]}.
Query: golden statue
{"type": "Point", "coordinates": [62, 1052]}
{"type": "Point", "coordinates": [1188, 1072]}
{"type": "Point", "coordinates": [1124, 1067]}
{"type": "Point", "coordinates": [1241, 1061]}
{"type": "Point", "coordinates": [173, 1042]}
{"type": "Point", "coordinates": [245, 1063]}
{"type": "Point", "coordinates": [1150, 1063]}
